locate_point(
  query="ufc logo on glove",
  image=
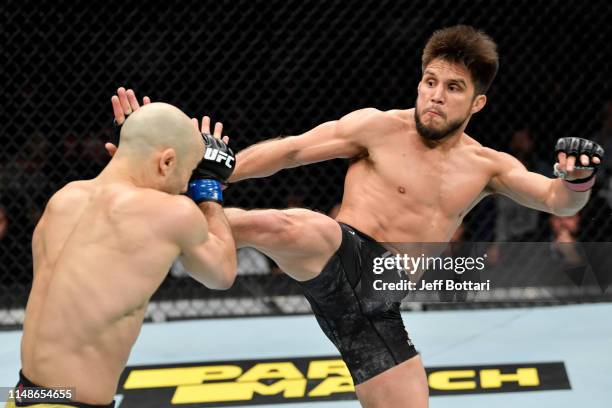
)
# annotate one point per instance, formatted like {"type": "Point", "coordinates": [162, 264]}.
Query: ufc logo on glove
{"type": "Point", "coordinates": [218, 156]}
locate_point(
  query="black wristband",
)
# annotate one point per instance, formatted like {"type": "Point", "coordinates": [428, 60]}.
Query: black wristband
{"type": "Point", "coordinates": [116, 132]}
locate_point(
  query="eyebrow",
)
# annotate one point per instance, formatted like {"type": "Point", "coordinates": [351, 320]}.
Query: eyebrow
{"type": "Point", "coordinates": [457, 80]}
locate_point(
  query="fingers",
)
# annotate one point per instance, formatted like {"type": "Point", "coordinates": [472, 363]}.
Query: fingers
{"type": "Point", "coordinates": [133, 102]}
{"type": "Point", "coordinates": [571, 162]}
{"type": "Point", "coordinates": [110, 148]}
{"type": "Point", "coordinates": [225, 139]}
{"type": "Point", "coordinates": [584, 160]}
{"type": "Point", "coordinates": [562, 157]}
{"type": "Point", "coordinates": [205, 125]}
{"type": "Point", "coordinates": [196, 124]}
{"type": "Point", "coordinates": [218, 130]}
{"type": "Point", "coordinates": [123, 99]}
{"type": "Point", "coordinates": [568, 163]}
{"type": "Point", "coordinates": [125, 102]}
{"type": "Point", "coordinates": [117, 110]}
{"type": "Point", "coordinates": [577, 158]}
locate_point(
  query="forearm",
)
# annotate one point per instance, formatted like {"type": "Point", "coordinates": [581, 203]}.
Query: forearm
{"type": "Point", "coordinates": [219, 230]}
{"type": "Point", "coordinates": [563, 201]}
{"type": "Point", "coordinates": [536, 191]}
{"type": "Point", "coordinates": [564, 196]}
{"type": "Point", "coordinates": [324, 142]}
{"type": "Point", "coordinates": [213, 263]}
{"type": "Point", "coordinates": [261, 160]}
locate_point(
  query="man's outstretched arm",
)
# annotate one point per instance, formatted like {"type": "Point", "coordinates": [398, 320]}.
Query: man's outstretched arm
{"type": "Point", "coordinates": [343, 138]}
{"type": "Point", "coordinates": [561, 197]}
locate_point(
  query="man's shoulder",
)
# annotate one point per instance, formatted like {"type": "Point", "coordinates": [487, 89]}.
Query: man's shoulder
{"type": "Point", "coordinates": [495, 160]}
{"type": "Point", "coordinates": [176, 215]}
{"type": "Point", "coordinates": [170, 205]}
{"type": "Point", "coordinates": [379, 116]}
{"type": "Point", "coordinates": [398, 119]}
{"type": "Point", "coordinates": [402, 114]}
{"type": "Point", "coordinates": [473, 150]}
{"type": "Point", "coordinates": [373, 120]}
{"type": "Point", "coordinates": [121, 202]}
{"type": "Point", "coordinates": [469, 141]}
{"type": "Point", "coordinates": [75, 188]}
{"type": "Point", "coordinates": [70, 194]}
{"type": "Point", "coordinates": [471, 145]}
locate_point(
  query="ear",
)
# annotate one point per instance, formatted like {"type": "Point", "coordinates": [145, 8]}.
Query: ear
{"type": "Point", "coordinates": [479, 102]}
{"type": "Point", "coordinates": [419, 85]}
{"type": "Point", "coordinates": [167, 161]}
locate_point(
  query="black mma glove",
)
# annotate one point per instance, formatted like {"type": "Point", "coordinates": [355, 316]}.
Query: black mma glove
{"type": "Point", "coordinates": [576, 146]}
{"type": "Point", "coordinates": [215, 168]}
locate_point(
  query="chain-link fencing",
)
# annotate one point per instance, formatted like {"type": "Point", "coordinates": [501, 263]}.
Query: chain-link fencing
{"type": "Point", "coordinates": [280, 67]}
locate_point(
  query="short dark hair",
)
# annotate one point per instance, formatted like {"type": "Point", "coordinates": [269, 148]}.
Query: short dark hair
{"type": "Point", "coordinates": [465, 45]}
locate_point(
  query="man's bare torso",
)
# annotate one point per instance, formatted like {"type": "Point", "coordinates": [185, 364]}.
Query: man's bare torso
{"type": "Point", "coordinates": [405, 191]}
{"type": "Point", "coordinates": [98, 257]}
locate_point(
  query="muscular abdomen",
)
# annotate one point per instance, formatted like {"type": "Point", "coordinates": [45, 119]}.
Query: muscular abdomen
{"type": "Point", "coordinates": [405, 192]}
{"type": "Point", "coordinates": [392, 208]}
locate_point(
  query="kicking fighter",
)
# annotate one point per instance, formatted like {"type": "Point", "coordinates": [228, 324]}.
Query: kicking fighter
{"type": "Point", "coordinates": [413, 176]}
{"type": "Point", "coordinates": [103, 246]}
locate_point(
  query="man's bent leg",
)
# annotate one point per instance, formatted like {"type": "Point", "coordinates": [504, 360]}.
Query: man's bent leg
{"type": "Point", "coordinates": [403, 386]}
{"type": "Point", "coordinates": [300, 241]}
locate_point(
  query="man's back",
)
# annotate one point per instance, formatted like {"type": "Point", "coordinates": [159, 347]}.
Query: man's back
{"type": "Point", "coordinates": [100, 251]}
{"type": "Point", "coordinates": [103, 246]}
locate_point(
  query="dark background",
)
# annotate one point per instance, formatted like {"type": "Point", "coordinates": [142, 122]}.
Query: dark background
{"type": "Point", "coordinates": [270, 68]}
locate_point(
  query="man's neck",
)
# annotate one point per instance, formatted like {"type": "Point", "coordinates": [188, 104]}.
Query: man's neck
{"type": "Point", "coordinates": [446, 143]}
{"type": "Point", "coordinates": [123, 171]}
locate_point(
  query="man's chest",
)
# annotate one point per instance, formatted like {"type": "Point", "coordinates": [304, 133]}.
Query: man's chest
{"type": "Point", "coordinates": [446, 183]}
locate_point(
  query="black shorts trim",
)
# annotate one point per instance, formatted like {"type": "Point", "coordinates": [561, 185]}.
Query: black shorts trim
{"type": "Point", "coordinates": [24, 382]}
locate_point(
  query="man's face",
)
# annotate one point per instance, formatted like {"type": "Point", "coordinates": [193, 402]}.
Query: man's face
{"type": "Point", "coordinates": [184, 172]}
{"type": "Point", "coordinates": [178, 180]}
{"type": "Point", "coordinates": [173, 173]}
{"type": "Point", "coordinates": [445, 99]}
